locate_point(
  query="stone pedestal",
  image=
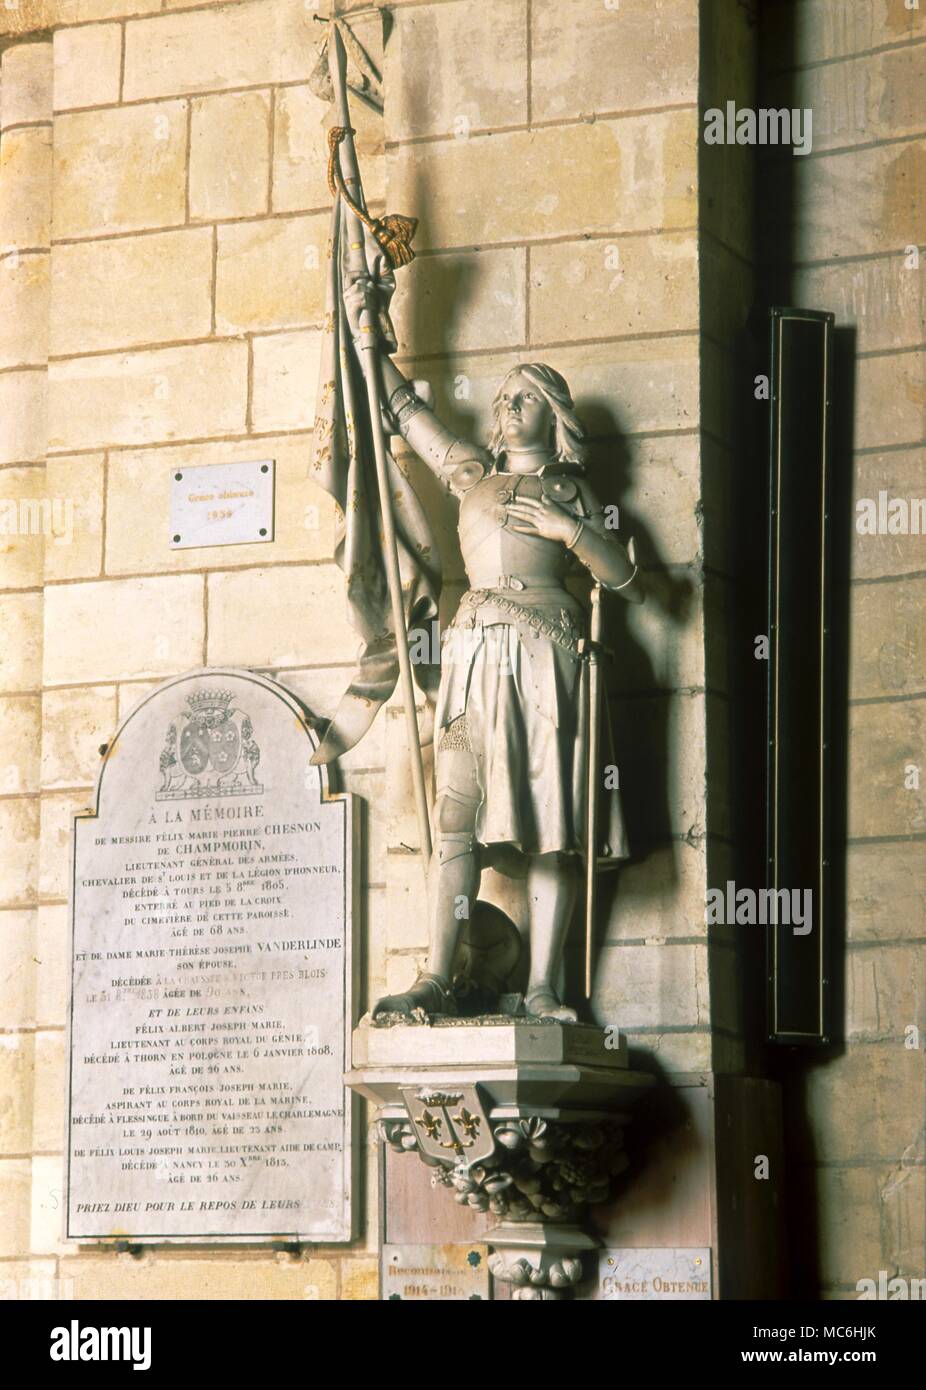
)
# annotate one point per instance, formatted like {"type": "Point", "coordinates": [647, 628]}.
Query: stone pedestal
{"type": "Point", "coordinates": [521, 1118]}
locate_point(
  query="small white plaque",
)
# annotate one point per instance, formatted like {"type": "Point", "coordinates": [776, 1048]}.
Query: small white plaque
{"type": "Point", "coordinates": [654, 1275]}
{"type": "Point", "coordinates": [221, 504]}
{"type": "Point", "coordinates": [437, 1273]}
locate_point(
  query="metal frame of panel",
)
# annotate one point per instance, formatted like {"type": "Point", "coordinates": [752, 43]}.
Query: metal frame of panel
{"type": "Point", "coordinates": [798, 717]}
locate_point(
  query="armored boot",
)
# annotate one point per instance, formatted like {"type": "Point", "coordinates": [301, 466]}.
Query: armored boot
{"type": "Point", "coordinates": [543, 1003]}
{"type": "Point", "coordinates": [454, 879]}
{"type": "Point", "coordinates": [430, 993]}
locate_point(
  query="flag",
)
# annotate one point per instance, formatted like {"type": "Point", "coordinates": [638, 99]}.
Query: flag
{"type": "Point", "coordinates": [343, 464]}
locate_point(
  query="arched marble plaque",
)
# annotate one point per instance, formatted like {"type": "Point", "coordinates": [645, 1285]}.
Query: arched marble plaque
{"type": "Point", "coordinates": [211, 976]}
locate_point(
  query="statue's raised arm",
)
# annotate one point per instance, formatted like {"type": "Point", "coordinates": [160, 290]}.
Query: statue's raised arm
{"type": "Point", "coordinates": [455, 461]}
{"type": "Point", "coordinates": [535, 429]}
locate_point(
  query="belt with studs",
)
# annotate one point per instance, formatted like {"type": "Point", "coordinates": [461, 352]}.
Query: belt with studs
{"type": "Point", "coordinates": [562, 630]}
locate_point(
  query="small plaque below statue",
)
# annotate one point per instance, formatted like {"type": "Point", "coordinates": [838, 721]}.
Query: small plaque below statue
{"type": "Point", "coordinates": [654, 1274]}
{"type": "Point", "coordinates": [437, 1272]}
{"type": "Point", "coordinates": [221, 504]}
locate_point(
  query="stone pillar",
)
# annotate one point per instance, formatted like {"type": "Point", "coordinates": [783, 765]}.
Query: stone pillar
{"type": "Point", "coordinates": [25, 524]}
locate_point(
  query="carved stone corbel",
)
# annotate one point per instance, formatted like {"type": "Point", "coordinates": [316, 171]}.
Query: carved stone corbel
{"type": "Point", "coordinates": [533, 1135]}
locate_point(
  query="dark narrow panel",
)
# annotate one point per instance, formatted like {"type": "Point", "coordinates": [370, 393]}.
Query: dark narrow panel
{"type": "Point", "coordinates": [798, 799]}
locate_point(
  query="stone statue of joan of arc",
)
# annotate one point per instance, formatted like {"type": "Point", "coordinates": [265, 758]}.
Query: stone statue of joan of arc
{"type": "Point", "coordinates": [510, 722]}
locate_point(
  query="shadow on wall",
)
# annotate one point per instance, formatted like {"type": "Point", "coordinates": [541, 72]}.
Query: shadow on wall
{"type": "Point", "coordinates": [642, 705]}
{"type": "Point", "coordinates": [640, 709]}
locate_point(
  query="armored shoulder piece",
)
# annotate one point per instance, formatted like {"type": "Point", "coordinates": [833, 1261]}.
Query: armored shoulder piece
{"type": "Point", "coordinates": [465, 466]}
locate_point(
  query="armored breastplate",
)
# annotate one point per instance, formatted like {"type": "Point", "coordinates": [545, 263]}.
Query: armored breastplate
{"type": "Point", "coordinates": [491, 550]}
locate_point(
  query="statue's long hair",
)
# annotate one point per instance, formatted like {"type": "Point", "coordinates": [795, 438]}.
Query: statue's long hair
{"type": "Point", "coordinates": [568, 441]}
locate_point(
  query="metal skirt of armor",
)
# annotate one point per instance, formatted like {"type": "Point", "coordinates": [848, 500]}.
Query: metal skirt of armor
{"type": "Point", "coordinates": [523, 695]}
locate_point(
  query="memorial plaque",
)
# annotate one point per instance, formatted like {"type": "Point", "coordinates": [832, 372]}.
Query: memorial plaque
{"type": "Point", "coordinates": [435, 1272]}
{"type": "Point", "coordinates": [221, 504]}
{"type": "Point", "coordinates": [211, 984]}
{"type": "Point", "coordinates": [654, 1274]}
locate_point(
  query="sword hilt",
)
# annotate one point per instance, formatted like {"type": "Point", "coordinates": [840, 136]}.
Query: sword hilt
{"type": "Point", "coordinates": [590, 650]}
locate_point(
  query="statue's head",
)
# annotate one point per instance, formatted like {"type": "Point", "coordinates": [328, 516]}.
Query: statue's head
{"type": "Point", "coordinates": [533, 409]}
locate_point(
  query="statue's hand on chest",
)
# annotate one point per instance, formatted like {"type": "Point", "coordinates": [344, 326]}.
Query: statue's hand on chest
{"type": "Point", "coordinates": [526, 505]}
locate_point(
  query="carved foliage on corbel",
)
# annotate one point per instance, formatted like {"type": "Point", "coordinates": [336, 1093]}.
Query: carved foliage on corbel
{"type": "Point", "coordinates": [533, 1169]}
{"type": "Point", "coordinates": [551, 1278]}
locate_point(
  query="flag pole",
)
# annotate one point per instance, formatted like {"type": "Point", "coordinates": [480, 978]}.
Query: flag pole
{"type": "Point", "coordinates": [370, 368]}
{"type": "Point", "coordinates": [593, 773]}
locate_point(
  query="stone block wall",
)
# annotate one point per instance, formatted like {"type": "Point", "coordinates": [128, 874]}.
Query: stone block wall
{"type": "Point", "coordinates": [163, 181]}
{"type": "Point", "coordinates": [30, 1057]}
{"type": "Point", "coordinates": [163, 220]}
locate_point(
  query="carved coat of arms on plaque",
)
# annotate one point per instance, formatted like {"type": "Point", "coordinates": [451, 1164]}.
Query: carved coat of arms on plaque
{"type": "Point", "coordinates": [209, 750]}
